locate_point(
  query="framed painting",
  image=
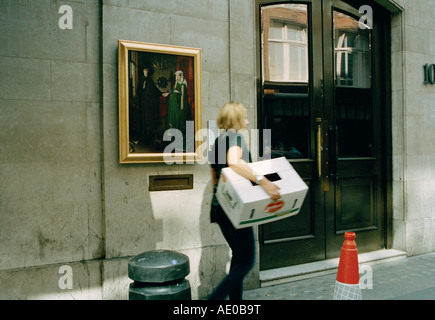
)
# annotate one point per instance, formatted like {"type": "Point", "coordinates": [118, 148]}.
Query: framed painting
{"type": "Point", "coordinates": [159, 103]}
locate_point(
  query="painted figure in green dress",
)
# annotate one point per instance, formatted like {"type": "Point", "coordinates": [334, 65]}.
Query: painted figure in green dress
{"type": "Point", "coordinates": [179, 109]}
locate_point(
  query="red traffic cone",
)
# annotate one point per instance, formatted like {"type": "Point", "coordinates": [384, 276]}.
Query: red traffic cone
{"type": "Point", "coordinates": [347, 281]}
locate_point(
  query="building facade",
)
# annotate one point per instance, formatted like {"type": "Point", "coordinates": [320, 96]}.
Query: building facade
{"type": "Point", "coordinates": [347, 86]}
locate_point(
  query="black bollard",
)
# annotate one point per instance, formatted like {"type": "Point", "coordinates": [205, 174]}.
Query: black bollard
{"type": "Point", "coordinates": [159, 275]}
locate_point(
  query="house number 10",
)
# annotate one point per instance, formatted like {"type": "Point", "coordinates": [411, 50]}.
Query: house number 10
{"type": "Point", "coordinates": [429, 73]}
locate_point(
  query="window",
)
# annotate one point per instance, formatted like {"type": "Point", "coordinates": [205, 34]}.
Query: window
{"type": "Point", "coordinates": [285, 78]}
{"type": "Point", "coordinates": [285, 43]}
{"type": "Point", "coordinates": [352, 52]}
{"type": "Point", "coordinates": [353, 94]}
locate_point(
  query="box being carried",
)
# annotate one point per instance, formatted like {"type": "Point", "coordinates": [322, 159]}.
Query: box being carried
{"type": "Point", "coordinates": [247, 204]}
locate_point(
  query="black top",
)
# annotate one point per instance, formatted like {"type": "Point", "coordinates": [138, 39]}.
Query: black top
{"type": "Point", "coordinates": [218, 160]}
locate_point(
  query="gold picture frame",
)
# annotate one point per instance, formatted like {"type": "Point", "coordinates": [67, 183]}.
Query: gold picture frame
{"type": "Point", "coordinates": [160, 108]}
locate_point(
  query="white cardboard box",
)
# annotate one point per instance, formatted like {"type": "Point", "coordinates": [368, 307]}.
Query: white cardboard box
{"type": "Point", "coordinates": [247, 204]}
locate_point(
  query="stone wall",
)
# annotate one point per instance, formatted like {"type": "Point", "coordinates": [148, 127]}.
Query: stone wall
{"type": "Point", "coordinates": [50, 148]}
{"type": "Point", "coordinates": [413, 46]}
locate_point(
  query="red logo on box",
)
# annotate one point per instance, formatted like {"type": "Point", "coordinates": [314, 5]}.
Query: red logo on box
{"type": "Point", "coordinates": [274, 206]}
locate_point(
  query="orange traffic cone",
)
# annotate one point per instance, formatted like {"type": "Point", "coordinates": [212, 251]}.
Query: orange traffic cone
{"type": "Point", "coordinates": [347, 281]}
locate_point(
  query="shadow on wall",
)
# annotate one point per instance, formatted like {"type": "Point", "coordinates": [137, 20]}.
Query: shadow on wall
{"type": "Point", "coordinates": [186, 228]}
{"type": "Point", "coordinates": [214, 261]}
{"type": "Point", "coordinates": [216, 255]}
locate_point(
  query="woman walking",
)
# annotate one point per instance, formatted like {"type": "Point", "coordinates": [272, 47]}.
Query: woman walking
{"type": "Point", "coordinates": [230, 150]}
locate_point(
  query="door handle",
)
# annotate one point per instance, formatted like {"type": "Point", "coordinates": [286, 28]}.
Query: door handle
{"type": "Point", "coordinates": [319, 149]}
{"type": "Point", "coordinates": [323, 153]}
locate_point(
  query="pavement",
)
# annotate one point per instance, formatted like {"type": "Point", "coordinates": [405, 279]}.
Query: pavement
{"type": "Point", "coordinates": [411, 278]}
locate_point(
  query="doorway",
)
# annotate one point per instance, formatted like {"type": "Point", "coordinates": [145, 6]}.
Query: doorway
{"type": "Point", "coordinates": [324, 93]}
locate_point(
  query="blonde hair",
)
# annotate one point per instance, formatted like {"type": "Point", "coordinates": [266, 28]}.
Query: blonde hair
{"type": "Point", "coordinates": [232, 116]}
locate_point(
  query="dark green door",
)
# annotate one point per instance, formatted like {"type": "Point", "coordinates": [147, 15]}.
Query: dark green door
{"type": "Point", "coordinates": [322, 93]}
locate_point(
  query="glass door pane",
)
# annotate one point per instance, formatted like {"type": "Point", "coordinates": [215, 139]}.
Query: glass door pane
{"type": "Point", "coordinates": [285, 81]}
{"type": "Point", "coordinates": [285, 43]}
{"type": "Point", "coordinates": [353, 87]}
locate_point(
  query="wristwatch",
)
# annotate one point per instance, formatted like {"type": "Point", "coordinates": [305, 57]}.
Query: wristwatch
{"type": "Point", "coordinates": [258, 178]}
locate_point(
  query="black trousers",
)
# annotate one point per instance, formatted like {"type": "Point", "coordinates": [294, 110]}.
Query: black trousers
{"type": "Point", "coordinates": [241, 242]}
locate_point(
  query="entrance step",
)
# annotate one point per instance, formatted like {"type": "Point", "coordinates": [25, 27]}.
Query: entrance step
{"type": "Point", "coordinates": [315, 269]}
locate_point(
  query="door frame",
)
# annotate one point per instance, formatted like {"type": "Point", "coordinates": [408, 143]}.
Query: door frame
{"type": "Point", "coordinates": [327, 88]}
{"type": "Point", "coordinates": [385, 95]}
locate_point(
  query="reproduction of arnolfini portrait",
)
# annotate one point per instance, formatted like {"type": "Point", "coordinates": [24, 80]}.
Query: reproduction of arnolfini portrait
{"type": "Point", "coordinates": [159, 97]}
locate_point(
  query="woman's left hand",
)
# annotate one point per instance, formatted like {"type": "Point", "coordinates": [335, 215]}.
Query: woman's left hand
{"type": "Point", "coordinates": [271, 189]}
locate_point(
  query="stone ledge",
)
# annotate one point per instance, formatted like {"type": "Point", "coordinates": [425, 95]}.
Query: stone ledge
{"type": "Point", "coordinates": [315, 269]}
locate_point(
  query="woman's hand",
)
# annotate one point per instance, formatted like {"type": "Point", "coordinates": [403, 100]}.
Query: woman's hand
{"type": "Point", "coordinates": [235, 162]}
{"type": "Point", "coordinates": [271, 189]}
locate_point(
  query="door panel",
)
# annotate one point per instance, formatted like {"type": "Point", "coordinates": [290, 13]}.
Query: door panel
{"type": "Point", "coordinates": [282, 239]}
{"type": "Point", "coordinates": [356, 203]}
{"type": "Point", "coordinates": [299, 226]}
{"type": "Point", "coordinates": [290, 43]}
